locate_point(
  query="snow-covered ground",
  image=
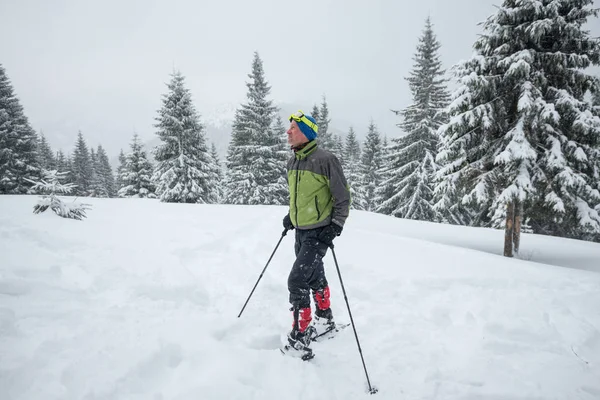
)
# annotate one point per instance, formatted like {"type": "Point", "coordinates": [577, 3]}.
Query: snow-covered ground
{"type": "Point", "coordinates": [140, 301]}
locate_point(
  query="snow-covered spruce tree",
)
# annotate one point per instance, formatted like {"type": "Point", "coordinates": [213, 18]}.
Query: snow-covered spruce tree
{"type": "Point", "coordinates": [46, 157]}
{"type": "Point", "coordinates": [81, 167]}
{"type": "Point", "coordinates": [351, 166]}
{"type": "Point", "coordinates": [280, 139]}
{"type": "Point", "coordinates": [50, 187]}
{"type": "Point", "coordinates": [183, 162]}
{"type": "Point", "coordinates": [97, 188]}
{"type": "Point", "coordinates": [271, 162]}
{"type": "Point", "coordinates": [521, 138]}
{"type": "Point", "coordinates": [253, 164]}
{"type": "Point", "coordinates": [280, 153]}
{"type": "Point", "coordinates": [120, 169]}
{"type": "Point", "coordinates": [136, 173]}
{"type": "Point", "coordinates": [338, 147]}
{"type": "Point", "coordinates": [412, 166]}
{"type": "Point", "coordinates": [62, 164]}
{"type": "Point", "coordinates": [370, 166]}
{"type": "Point", "coordinates": [219, 174]}
{"type": "Point", "coordinates": [19, 162]}
{"type": "Point", "coordinates": [105, 171]}
{"type": "Point", "coordinates": [596, 177]}
{"type": "Point", "coordinates": [385, 190]}
{"type": "Point", "coordinates": [326, 138]}
{"type": "Point", "coordinates": [316, 114]}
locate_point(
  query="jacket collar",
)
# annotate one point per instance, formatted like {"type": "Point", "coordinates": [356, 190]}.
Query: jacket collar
{"type": "Point", "coordinates": [305, 150]}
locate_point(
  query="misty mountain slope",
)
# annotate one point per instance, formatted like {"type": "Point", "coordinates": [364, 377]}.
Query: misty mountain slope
{"type": "Point", "coordinates": [140, 301]}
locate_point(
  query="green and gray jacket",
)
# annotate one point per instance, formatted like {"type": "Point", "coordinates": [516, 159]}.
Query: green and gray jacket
{"type": "Point", "coordinates": [319, 193]}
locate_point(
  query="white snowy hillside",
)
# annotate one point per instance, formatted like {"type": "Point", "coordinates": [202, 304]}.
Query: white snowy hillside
{"type": "Point", "coordinates": [140, 301]}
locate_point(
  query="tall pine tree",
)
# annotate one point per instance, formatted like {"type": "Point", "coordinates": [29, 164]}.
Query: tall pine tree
{"type": "Point", "coordinates": [19, 162]}
{"type": "Point", "coordinates": [61, 163]}
{"type": "Point", "coordinates": [326, 138]}
{"type": "Point", "coordinates": [351, 166]}
{"type": "Point", "coordinates": [385, 190]}
{"type": "Point", "coordinates": [281, 154]}
{"type": "Point", "coordinates": [46, 156]}
{"type": "Point", "coordinates": [220, 175]}
{"type": "Point", "coordinates": [521, 138]}
{"type": "Point", "coordinates": [105, 171]}
{"type": "Point", "coordinates": [120, 170]}
{"type": "Point", "coordinates": [64, 167]}
{"type": "Point", "coordinates": [81, 167]}
{"type": "Point", "coordinates": [338, 147]}
{"type": "Point", "coordinates": [316, 114]}
{"type": "Point", "coordinates": [136, 173]}
{"type": "Point", "coordinates": [97, 188]}
{"type": "Point", "coordinates": [254, 168]}
{"type": "Point", "coordinates": [370, 166]}
{"type": "Point", "coordinates": [411, 167]}
{"type": "Point", "coordinates": [183, 163]}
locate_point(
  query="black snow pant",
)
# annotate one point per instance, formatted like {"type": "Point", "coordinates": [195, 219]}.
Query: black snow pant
{"type": "Point", "coordinates": [308, 272]}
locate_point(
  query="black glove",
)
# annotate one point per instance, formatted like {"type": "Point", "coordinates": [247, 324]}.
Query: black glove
{"type": "Point", "coordinates": [287, 223]}
{"type": "Point", "coordinates": [329, 232]}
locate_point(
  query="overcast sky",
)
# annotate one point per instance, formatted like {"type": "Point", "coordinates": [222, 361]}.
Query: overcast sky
{"type": "Point", "coordinates": [102, 66]}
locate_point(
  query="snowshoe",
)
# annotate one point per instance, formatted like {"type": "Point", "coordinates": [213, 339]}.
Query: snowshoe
{"type": "Point", "coordinates": [330, 332]}
{"type": "Point", "coordinates": [298, 343]}
{"type": "Point", "coordinates": [323, 321]}
{"type": "Point", "coordinates": [305, 353]}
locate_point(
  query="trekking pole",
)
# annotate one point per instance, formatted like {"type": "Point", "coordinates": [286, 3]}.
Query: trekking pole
{"type": "Point", "coordinates": [263, 271]}
{"type": "Point", "coordinates": [372, 390]}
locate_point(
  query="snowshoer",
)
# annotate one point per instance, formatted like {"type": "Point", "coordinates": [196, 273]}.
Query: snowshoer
{"type": "Point", "coordinates": [319, 206]}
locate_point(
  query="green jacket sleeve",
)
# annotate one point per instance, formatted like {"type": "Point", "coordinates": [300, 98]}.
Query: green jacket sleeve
{"type": "Point", "coordinates": [340, 192]}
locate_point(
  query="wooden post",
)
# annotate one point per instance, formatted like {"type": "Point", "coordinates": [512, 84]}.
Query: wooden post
{"type": "Point", "coordinates": [508, 230]}
{"type": "Point", "coordinates": [517, 226]}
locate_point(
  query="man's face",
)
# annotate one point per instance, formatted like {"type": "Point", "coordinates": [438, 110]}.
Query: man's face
{"type": "Point", "coordinates": [295, 135]}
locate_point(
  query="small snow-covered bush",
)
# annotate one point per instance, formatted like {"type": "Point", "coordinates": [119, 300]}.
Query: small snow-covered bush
{"type": "Point", "coordinates": [50, 186]}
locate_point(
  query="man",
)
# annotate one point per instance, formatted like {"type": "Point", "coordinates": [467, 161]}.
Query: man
{"type": "Point", "coordinates": [319, 206]}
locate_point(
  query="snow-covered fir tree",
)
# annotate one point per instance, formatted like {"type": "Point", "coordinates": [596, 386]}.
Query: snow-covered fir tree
{"type": "Point", "coordinates": [220, 174]}
{"type": "Point", "coordinates": [521, 137]}
{"type": "Point", "coordinates": [385, 144]}
{"type": "Point", "coordinates": [61, 163]}
{"type": "Point", "coordinates": [120, 169]}
{"type": "Point", "coordinates": [326, 138]}
{"type": "Point", "coordinates": [411, 166]}
{"type": "Point", "coordinates": [81, 167]}
{"type": "Point", "coordinates": [254, 168]}
{"type": "Point", "coordinates": [351, 166]}
{"type": "Point", "coordinates": [102, 181]}
{"type": "Point", "coordinates": [136, 173]}
{"type": "Point", "coordinates": [63, 166]}
{"type": "Point", "coordinates": [316, 114]}
{"type": "Point", "coordinates": [52, 185]}
{"type": "Point", "coordinates": [274, 156]}
{"type": "Point", "coordinates": [19, 162]}
{"type": "Point", "coordinates": [183, 163]}
{"type": "Point", "coordinates": [281, 154]}
{"type": "Point", "coordinates": [97, 188]}
{"type": "Point", "coordinates": [280, 139]}
{"type": "Point", "coordinates": [106, 173]}
{"type": "Point", "coordinates": [338, 147]}
{"type": "Point", "coordinates": [370, 166]}
{"type": "Point", "coordinates": [385, 190]}
{"type": "Point", "coordinates": [46, 156]}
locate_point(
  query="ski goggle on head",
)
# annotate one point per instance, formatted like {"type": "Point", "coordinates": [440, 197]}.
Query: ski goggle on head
{"type": "Point", "coordinates": [300, 117]}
